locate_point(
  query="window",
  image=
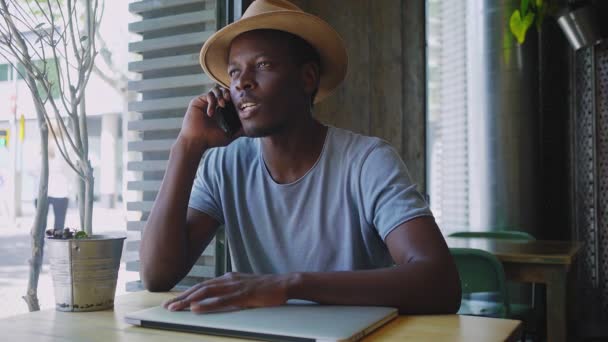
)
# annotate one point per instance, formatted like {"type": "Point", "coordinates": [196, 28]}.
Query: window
{"type": "Point", "coordinates": [447, 123]}
{"type": "Point", "coordinates": [21, 73]}
{"type": "Point", "coordinates": [7, 73]}
{"type": "Point", "coordinates": [4, 72]}
{"type": "Point", "coordinates": [53, 77]}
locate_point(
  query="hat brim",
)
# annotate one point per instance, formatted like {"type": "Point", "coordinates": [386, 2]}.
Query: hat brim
{"type": "Point", "coordinates": [329, 44]}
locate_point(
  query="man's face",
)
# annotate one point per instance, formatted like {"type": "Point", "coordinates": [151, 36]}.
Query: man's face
{"type": "Point", "coordinates": [266, 85]}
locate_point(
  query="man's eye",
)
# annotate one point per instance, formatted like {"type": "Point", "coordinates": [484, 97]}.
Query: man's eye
{"type": "Point", "coordinates": [263, 65]}
{"type": "Point", "coordinates": [231, 72]}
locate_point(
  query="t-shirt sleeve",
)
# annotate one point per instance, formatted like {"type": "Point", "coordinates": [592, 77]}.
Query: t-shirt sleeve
{"type": "Point", "coordinates": [388, 194]}
{"type": "Point", "coordinates": [205, 195]}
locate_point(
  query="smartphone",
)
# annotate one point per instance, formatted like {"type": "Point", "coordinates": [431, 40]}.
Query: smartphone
{"type": "Point", "coordinates": [228, 119]}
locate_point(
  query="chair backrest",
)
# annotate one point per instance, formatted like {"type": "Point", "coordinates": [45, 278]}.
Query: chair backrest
{"type": "Point", "coordinates": [496, 234]}
{"type": "Point", "coordinates": [222, 253]}
{"type": "Point", "coordinates": [481, 271]}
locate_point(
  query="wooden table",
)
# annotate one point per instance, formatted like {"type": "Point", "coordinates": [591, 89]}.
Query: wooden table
{"type": "Point", "coordinates": [109, 326]}
{"type": "Point", "coordinates": [546, 262]}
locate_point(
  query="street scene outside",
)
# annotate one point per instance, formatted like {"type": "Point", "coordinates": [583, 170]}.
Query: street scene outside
{"type": "Point", "coordinates": [20, 162]}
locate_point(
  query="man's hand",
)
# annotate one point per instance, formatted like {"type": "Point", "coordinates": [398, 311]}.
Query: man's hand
{"type": "Point", "coordinates": [232, 291]}
{"type": "Point", "coordinates": [200, 126]}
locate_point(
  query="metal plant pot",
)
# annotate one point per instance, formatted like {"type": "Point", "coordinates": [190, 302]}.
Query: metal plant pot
{"type": "Point", "coordinates": [85, 272]}
{"type": "Point", "coordinates": [580, 27]}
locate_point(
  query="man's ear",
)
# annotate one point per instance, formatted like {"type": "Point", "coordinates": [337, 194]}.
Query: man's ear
{"type": "Point", "coordinates": [310, 76]}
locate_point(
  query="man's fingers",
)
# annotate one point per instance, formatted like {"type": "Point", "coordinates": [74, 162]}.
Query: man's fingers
{"type": "Point", "coordinates": [219, 95]}
{"type": "Point", "coordinates": [208, 288]}
{"type": "Point", "coordinates": [221, 303]}
{"type": "Point", "coordinates": [199, 102]}
{"type": "Point", "coordinates": [206, 291]}
{"type": "Point", "coordinates": [228, 277]}
{"type": "Point", "coordinates": [211, 104]}
{"type": "Point", "coordinates": [183, 295]}
{"type": "Point", "coordinates": [210, 291]}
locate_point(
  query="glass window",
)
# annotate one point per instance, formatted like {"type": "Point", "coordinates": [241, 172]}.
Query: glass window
{"type": "Point", "coordinates": [53, 77]}
{"type": "Point", "coordinates": [4, 72]}
{"type": "Point", "coordinates": [21, 73]}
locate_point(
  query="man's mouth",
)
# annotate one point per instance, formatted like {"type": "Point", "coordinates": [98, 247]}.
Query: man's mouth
{"type": "Point", "coordinates": [246, 105]}
{"type": "Point", "coordinates": [246, 109]}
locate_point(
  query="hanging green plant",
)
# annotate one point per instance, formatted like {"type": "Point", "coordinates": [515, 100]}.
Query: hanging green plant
{"type": "Point", "coordinates": [529, 12]}
{"type": "Point", "coordinates": [577, 20]}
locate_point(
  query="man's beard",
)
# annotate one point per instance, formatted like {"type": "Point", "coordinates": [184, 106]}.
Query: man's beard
{"type": "Point", "coordinates": [260, 132]}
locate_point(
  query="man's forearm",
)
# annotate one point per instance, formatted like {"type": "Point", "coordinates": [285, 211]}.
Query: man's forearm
{"type": "Point", "coordinates": [164, 252]}
{"type": "Point", "coordinates": [420, 287]}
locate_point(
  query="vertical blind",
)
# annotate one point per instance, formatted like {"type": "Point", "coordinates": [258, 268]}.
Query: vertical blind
{"type": "Point", "coordinates": [447, 114]}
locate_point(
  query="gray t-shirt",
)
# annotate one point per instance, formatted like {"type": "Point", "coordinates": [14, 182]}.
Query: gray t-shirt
{"type": "Point", "coordinates": [334, 218]}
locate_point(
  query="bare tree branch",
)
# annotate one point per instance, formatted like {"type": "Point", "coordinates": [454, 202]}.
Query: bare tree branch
{"type": "Point", "coordinates": [65, 40]}
{"type": "Point", "coordinates": [22, 58]}
{"type": "Point", "coordinates": [71, 28]}
{"type": "Point", "coordinates": [49, 17]}
{"type": "Point", "coordinates": [65, 130]}
{"type": "Point", "coordinates": [25, 19]}
{"type": "Point", "coordinates": [60, 77]}
{"type": "Point", "coordinates": [61, 147]}
{"type": "Point", "coordinates": [24, 14]}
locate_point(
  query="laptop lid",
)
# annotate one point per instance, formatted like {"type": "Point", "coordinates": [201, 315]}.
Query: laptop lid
{"type": "Point", "coordinates": [290, 322]}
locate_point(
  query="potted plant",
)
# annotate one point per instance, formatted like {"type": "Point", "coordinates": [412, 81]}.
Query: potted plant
{"type": "Point", "coordinates": [577, 21]}
{"type": "Point", "coordinates": [84, 269]}
{"type": "Point", "coordinates": [51, 43]}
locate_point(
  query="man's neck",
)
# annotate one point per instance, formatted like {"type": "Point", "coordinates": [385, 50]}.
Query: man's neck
{"type": "Point", "coordinates": [290, 154]}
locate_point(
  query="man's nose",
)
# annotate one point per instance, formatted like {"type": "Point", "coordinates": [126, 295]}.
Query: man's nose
{"type": "Point", "coordinates": [245, 81]}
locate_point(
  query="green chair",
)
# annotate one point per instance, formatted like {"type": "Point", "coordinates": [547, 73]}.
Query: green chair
{"type": "Point", "coordinates": [531, 314]}
{"type": "Point", "coordinates": [501, 235]}
{"type": "Point", "coordinates": [481, 272]}
{"type": "Point", "coordinates": [513, 288]}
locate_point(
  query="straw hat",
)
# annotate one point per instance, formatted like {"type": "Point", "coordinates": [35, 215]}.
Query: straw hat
{"type": "Point", "coordinates": [283, 16]}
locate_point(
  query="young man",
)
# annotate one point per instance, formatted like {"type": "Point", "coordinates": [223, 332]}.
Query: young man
{"type": "Point", "coordinates": [311, 212]}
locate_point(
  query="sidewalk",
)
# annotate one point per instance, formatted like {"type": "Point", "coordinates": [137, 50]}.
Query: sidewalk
{"type": "Point", "coordinates": [15, 251]}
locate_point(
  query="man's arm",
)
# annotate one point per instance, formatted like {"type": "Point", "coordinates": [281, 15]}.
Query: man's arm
{"type": "Point", "coordinates": [175, 236]}
{"type": "Point", "coordinates": [423, 281]}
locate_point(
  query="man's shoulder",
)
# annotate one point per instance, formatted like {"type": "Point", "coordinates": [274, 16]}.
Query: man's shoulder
{"type": "Point", "coordinates": [243, 151]}
{"type": "Point", "coordinates": [351, 144]}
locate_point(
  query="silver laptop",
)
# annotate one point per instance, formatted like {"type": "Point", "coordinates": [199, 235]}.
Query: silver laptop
{"type": "Point", "coordinates": [295, 321]}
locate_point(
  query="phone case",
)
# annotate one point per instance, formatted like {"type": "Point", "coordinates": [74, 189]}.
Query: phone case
{"type": "Point", "coordinates": [228, 119]}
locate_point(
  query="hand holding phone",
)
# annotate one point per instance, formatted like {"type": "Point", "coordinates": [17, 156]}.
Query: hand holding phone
{"type": "Point", "coordinates": [227, 118]}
